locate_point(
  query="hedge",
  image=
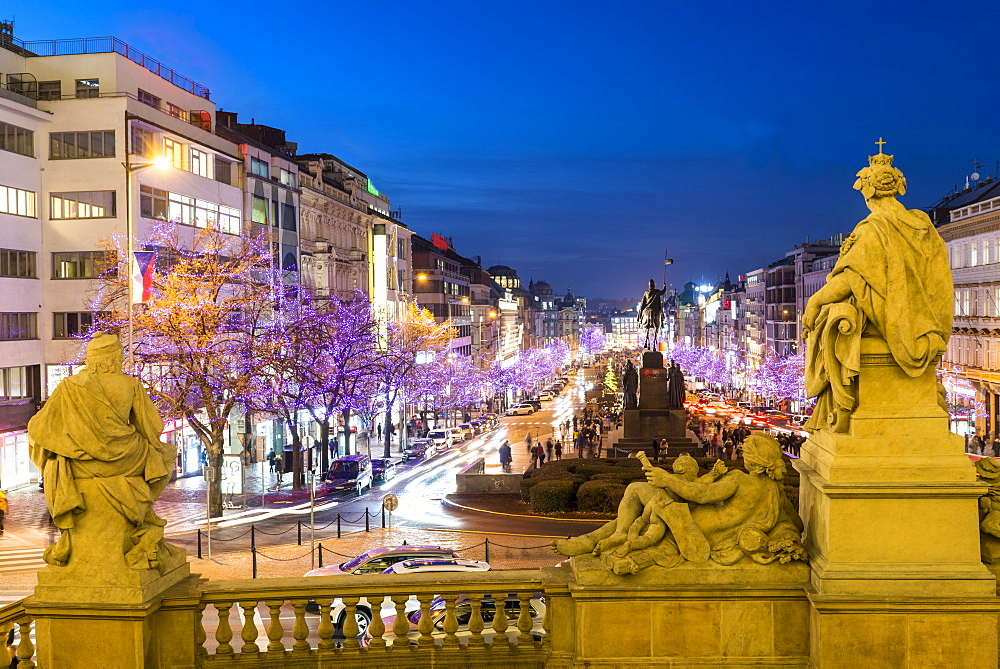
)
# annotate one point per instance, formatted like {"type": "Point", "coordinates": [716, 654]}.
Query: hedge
{"type": "Point", "coordinates": [552, 495]}
{"type": "Point", "coordinates": [600, 496]}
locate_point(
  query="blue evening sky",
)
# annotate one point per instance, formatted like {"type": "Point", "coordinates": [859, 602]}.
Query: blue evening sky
{"type": "Point", "coordinates": [575, 141]}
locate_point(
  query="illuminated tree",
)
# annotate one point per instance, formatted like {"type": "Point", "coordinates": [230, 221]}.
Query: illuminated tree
{"type": "Point", "coordinates": [611, 380]}
{"type": "Point", "coordinates": [196, 341]}
{"type": "Point", "coordinates": [592, 340]}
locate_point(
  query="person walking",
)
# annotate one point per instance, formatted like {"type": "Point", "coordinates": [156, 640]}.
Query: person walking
{"type": "Point", "coordinates": [540, 454]}
{"type": "Point", "coordinates": [270, 459]}
{"type": "Point", "coordinates": [656, 450]}
{"type": "Point", "coordinates": [527, 443]}
{"type": "Point", "coordinates": [558, 449]}
{"type": "Point", "coordinates": [277, 468]}
{"type": "Point", "coordinates": [505, 457]}
{"type": "Point", "coordinates": [548, 449]}
{"type": "Point", "coordinates": [3, 509]}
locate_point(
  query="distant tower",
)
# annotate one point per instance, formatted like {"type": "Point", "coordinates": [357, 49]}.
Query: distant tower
{"type": "Point", "coordinates": [7, 32]}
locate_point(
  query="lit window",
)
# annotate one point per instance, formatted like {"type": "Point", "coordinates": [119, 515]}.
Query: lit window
{"type": "Point", "coordinates": [17, 202]}
{"type": "Point", "coordinates": [74, 145]}
{"type": "Point", "coordinates": [172, 151]}
{"type": "Point", "coordinates": [90, 204]}
{"type": "Point", "coordinates": [199, 162]}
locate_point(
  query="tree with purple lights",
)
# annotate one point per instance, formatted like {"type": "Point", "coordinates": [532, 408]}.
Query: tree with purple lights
{"type": "Point", "coordinates": [196, 340]}
{"type": "Point", "coordinates": [405, 344]}
{"type": "Point", "coordinates": [592, 340]}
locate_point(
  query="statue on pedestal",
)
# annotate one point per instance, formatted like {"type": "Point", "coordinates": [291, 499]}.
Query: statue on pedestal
{"type": "Point", "coordinates": [630, 386]}
{"type": "Point", "coordinates": [650, 314]}
{"type": "Point", "coordinates": [725, 516]}
{"type": "Point", "coordinates": [892, 281]}
{"type": "Point", "coordinates": [675, 387]}
{"type": "Point", "coordinates": [99, 432]}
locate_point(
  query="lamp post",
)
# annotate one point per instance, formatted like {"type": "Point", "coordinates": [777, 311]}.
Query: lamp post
{"type": "Point", "coordinates": [159, 162]}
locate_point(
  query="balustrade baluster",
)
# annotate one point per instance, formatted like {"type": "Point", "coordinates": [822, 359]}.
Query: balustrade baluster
{"type": "Point", "coordinates": [223, 633]}
{"type": "Point", "coordinates": [200, 636]}
{"type": "Point", "coordinates": [402, 626]}
{"type": "Point", "coordinates": [450, 623]}
{"type": "Point", "coordinates": [524, 624]}
{"type": "Point", "coordinates": [476, 624]}
{"type": "Point", "coordinates": [351, 629]}
{"type": "Point", "coordinates": [25, 649]}
{"type": "Point", "coordinates": [547, 625]}
{"type": "Point", "coordinates": [275, 632]}
{"type": "Point", "coordinates": [500, 621]}
{"type": "Point", "coordinates": [426, 625]}
{"type": "Point", "coordinates": [249, 633]}
{"type": "Point", "coordinates": [377, 629]}
{"type": "Point", "coordinates": [325, 629]}
{"type": "Point", "coordinates": [300, 630]}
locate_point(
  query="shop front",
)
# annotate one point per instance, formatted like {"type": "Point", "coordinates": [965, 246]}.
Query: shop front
{"type": "Point", "coordinates": [16, 468]}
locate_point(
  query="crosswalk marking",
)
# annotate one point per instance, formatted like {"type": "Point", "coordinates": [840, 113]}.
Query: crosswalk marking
{"type": "Point", "coordinates": [21, 559]}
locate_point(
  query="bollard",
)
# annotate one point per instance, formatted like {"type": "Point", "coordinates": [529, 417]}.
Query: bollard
{"type": "Point", "coordinates": [367, 528]}
{"type": "Point", "coordinates": [253, 550]}
{"type": "Point", "coordinates": [320, 547]}
{"type": "Point", "coordinates": [487, 549]}
{"type": "Point", "coordinates": [299, 523]}
{"type": "Point", "coordinates": [383, 517]}
{"type": "Point", "coordinates": [199, 543]}
{"type": "Point", "coordinates": [338, 524]}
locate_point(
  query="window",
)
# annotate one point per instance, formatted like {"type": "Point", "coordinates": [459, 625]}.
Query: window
{"type": "Point", "coordinates": [259, 167]}
{"type": "Point", "coordinates": [288, 178]}
{"type": "Point", "coordinates": [88, 204]}
{"type": "Point", "coordinates": [17, 202]}
{"type": "Point", "coordinates": [17, 382]}
{"type": "Point", "coordinates": [401, 248]}
{"type": "Point", "coordinates": [18, 326]}
{"type": "Point", "coordinates": [17, 140]}
{"type": "Point", "coordinates": [174, 110]}
{"type": "Point", "coordinates": [288, 217]}
{"type": "Point", "coordinates": [172, 152]}
{"type": "Point", "coordinates": [229, 220]}
{"type": "Point", "coordinates": [224, 171]}
{"type": "Point", "coordinates": [73, 324]}
{"type": "Point", "coordinates": [149, 99]}
{"type": "Point", "coordinates": [68, 145]}
{"type": "Point", "coordinates": [152, 202]}
{"type": "Point", "coordinates": [259, 213]}
{"type": "Point", "coordinates": [80, 264]}
{"type": "Point", "coordinates": [199, 162]}
{"type": "Point", "coordinates": [49, 90]}
{"type": "Point", "coordinates": [88, 88]}
{"type": "Point", "coordinates": [143, 142]}
{"type": "Point", "coordinates": [19, 264]}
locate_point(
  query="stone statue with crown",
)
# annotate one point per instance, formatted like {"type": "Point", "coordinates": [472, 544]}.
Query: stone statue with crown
{"type": "Point", "coordinates": [97, 443]}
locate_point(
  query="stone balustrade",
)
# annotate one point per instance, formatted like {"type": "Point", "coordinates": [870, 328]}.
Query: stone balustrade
{"type": "Point", "coordinates": [13, 616]}
{"type": "Point", "coordinates": [315, 621]}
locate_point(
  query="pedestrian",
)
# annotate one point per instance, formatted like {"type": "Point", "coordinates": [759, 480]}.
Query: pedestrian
{"type": "Point", "coordinates": [270, 459]}
{"type": "Point", "coordinates": [505, 456]}
{"type": "Point", "coordinates": [3, 509]}
{"type": "Point", "coordinates": [540, 454]}
{"type": "Point", "coordinates": [656, 450]}
{"type": "Point", "coordinates": [559, 449]}
{"type": "Point", "coordinates": [527, 443]}
{"type": "Point", "coordinates": [277, 466]}
{"type": "Point", "coordinates": [378, 432]}
{"type": "Point", "coordinates": [548, 449]}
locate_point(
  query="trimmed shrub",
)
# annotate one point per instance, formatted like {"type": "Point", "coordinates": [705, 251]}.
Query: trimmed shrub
{"type": "Point", "coordinates": [618, 478]}
{"type": "Point", "coordinates": [600, 496]}
{"type": "Point", "coordinates": [540, 476]}
{"type": "Point", "coordinates": [589, 470]}
{"type": "Point", "coordinates": [526, 485]}
{"type": "Point", "coordinates": [552, 496]}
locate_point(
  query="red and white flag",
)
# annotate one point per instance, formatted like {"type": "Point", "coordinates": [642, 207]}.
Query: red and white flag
{"type": "Point", "coordinates": [142, 276]}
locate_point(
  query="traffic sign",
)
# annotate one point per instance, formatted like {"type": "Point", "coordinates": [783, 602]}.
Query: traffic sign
{"type": "Point", "coordinates": [390, 502]}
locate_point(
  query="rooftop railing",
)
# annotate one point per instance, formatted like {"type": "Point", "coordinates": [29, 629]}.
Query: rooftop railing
{"type": "Point", "coordinates": [89, 45]}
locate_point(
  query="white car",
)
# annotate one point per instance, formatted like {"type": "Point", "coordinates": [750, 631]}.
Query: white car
{"type": "Point", "coordinates": [442, 438]}
{"type": "Point", "coordinates": [546, 396]}
{"type": "Point", "coordinates": [422, 565]}
{"type": "Point", "coordinates": [522, 409]}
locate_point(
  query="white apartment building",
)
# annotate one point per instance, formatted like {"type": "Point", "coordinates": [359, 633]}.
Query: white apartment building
{"type": "Point", "coordinates": [23, 129]}
{"type": "Point", "coordinates": [110, 112]}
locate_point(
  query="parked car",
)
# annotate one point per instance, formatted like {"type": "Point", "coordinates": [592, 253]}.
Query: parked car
{"type": "Point", "coordinates": [546, 396]}
{"type": "Point", "coordinates": [419, 448]}
{"type": "Point", "coordinates": [442, 438]}
{"type": "Point", "coordinates": [351, 472]}
{"type": "Point", "coordinates": [422, 565]}
{"type": "Point", "coordinates": [383, 469]}
{"type": "Point", "coordinates": [522, 409]}
{"type": "Point", "coordinates": [375, 561]}
{"type": "Point", "coordinates": [536, 403]}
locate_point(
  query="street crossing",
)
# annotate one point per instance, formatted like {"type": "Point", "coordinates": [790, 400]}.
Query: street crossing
{"type": "Point", "coordinates": [21, 559]}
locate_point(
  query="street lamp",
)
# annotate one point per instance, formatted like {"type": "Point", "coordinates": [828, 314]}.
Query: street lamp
{"type": "Point", "coordinates": [159, 162]}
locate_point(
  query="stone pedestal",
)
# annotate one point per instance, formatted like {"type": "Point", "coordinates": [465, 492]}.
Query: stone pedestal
{"type": "Point", "coordinates": [96, 607]}
{"type": "Point", "coordinates": [652, 419]}
{"type": "Point", "coordinates": [704, 615]}
{"type": "Point", "coordinates": [890, 511]}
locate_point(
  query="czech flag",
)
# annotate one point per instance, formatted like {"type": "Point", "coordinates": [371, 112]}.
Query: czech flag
{"type": "Point", "coordinates": [142, 276]}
